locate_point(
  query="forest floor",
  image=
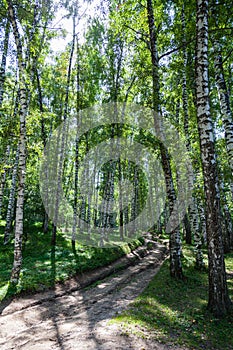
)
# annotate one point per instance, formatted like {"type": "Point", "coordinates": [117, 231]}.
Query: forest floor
{"type": "Point", "coordinates": [72, 316]}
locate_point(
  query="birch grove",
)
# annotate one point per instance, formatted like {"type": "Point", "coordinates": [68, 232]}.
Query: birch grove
{"type": "Point", "coordinates": [171, 59]}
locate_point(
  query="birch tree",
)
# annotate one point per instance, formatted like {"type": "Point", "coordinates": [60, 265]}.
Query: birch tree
{"type": "Point", "coordinates": [193, 210]}
{"type": "Point", "coordinates": [22, 145]}
{"type": "Point", "coordinates": [174, 240]}
{"type": "Point", "coordinates": [63, 135]}
{"type": "Point", "coordinates": [218, 302]}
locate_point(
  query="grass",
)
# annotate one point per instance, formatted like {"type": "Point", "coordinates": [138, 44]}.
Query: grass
{"type": "Point", "coordinates": [175, 312]}
{"type": "Point", "coordinates": [170, 311]}
{"type": "Point", "coordinates": [42, 267]}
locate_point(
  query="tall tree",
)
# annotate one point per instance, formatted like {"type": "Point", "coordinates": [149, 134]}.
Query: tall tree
{"type": "Point", "coordinates": [193, 210]}
{"type": "Point", "coordinates": [22, 145]}
{"type": "Point", "coordinates": [63, 136]}
{"type": "Point", "coordinates": [174, 240]}
{"type": "Point", "coordinates": [219, 302]}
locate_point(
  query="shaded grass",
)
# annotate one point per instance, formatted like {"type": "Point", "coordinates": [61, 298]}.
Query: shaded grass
{"type": "Point", "coordinates": [43, 267]}
{"type": "Point", "coordinates": [173, 311]}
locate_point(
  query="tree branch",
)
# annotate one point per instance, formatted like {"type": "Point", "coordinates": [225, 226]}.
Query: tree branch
{"type": "Point", "coordinates": [227, 56]}
{"type": "Point", "coordinates": [176, 48]}
{"type": "Point", "coordinates": [137, 32]}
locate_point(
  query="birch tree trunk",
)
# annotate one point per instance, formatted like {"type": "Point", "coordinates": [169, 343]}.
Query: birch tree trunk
{"type": "Point", "coordinates": [11, 202]}
{"type": "Point", "coordinates": [3, 63]}
{"type": "Point", "coordinates": [2, 186]}
{"type": "Point", "coordinates": [76, 162]}
{"type": "Point", "coordinates": [174, 241]}
{"type": "Point", "coordinates": [43, 136]}
{"type": "Point", "coordinates": [3, 177]}
{"type": "Point", "coordinates": [228, 234]}
{"type": "Point", "coordinates": [184, 85]}
{"type": "Point", "coordinates": [202, 216]}
{"type": "Point", "coordinates": [193, 210]}
{"type": "Point", "coordinates": [224, 103]}
{"type": "Point", "coordinates": [197, 237]}
{"type": "Point", "coordinates": [218, 302]}
{"type": "Point", "coordinates": [63, 142]}
{"type": "Point", "coordinates": [2, 81]}
{"type": "Point", "coordinates": [22, 147]}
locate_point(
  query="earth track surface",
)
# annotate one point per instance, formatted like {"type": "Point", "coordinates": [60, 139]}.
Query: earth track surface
{"type": "Point", "coordinates": [76, 315]}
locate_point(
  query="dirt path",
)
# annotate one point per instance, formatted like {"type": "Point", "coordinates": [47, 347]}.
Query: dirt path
{"type": "Point", "coordinates": [78, 319]}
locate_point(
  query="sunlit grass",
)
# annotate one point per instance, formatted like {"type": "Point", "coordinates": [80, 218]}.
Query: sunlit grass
{"type": "Point", "coordinates": [175, 311]}
{"type": "Point", "coordinates": [4, 290]}
{"type": "Point", "coordinates": [42, 267]}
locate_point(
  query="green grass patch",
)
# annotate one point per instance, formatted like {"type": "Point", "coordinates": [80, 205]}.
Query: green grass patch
{"type": "Point", "coordinates": [175, 311]}
{"type": "Point", "coordinates": [43, 267]}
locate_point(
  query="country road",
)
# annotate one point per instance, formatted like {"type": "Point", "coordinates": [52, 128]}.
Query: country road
{"type": "Point", "coordinates": [78, 320]}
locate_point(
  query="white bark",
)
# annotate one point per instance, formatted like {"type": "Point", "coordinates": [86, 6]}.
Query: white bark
{"type": "Point", "coordinates": [11, 202]}
{"type": "Point", "coordinates": [3, 63]}
{"type": "Point", "coordinates": [22, 148]}
{"type": "Point", "coordinates": [219, 302]}
{"type": "Point", "coordinates": [3, 177]}
{"type": "Point", "coordinates": [224, 103]}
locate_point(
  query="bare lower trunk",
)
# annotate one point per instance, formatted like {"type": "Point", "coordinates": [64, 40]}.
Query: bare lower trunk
{"type": "Point", "coordinates": [202, 216]}
{"type": "Point", "coordinates": [75, 207]}
{"type": "Point", "coordinates": [188, 231]}
{"type": "Point", "coordinates": [76, 163]}
{"type": "Point", "coordinates": [174, 238]}
{"type": "Point", "coordinates": [197, 233]}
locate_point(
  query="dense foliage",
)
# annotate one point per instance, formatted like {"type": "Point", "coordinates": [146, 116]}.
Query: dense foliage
{"type": "Point", "coordinates": [150, 53]}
